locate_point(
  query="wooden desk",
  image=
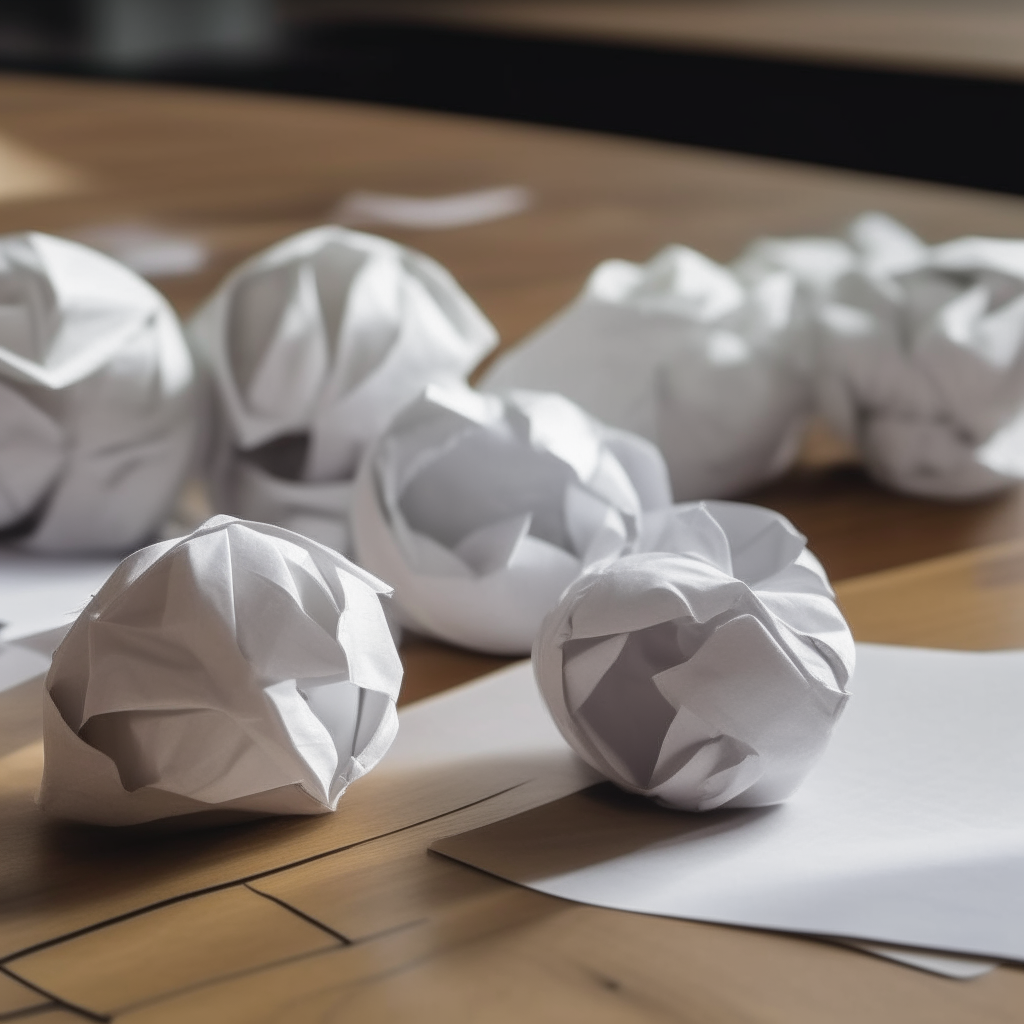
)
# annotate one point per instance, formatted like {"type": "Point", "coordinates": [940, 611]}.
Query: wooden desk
{"type": "Point", "coordinates": [229, 925]}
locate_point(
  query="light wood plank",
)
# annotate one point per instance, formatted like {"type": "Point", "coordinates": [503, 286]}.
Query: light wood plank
{"type": "Point", "coordinates": [54, 1015]}
{"type": "Point", "coordinates": [149, 955]}
{"type": "Point", "coordinates": [394, 882]}
{"type": "Point", "coordinates": [432, 667]}
{"type": "Point", "coordinates": [16, 997]}
{"type": "Point", "coordinates": [56, 879]}
{"type": "Point", "coordinates": [518, 955]}
{"type": "Point", "coordinates": [292, 991]}
{"type": "Point", "coordinates": [586, 964]}
{"type": "Point", "coordinates": [973, 600]}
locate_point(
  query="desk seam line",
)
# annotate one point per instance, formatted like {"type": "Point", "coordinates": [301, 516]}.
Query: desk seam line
{"type": "Point", "coordinates": [241, 881]}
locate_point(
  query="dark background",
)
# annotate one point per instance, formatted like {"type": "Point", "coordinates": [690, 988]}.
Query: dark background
{"type": "Point", "coordinates": [947, 128]}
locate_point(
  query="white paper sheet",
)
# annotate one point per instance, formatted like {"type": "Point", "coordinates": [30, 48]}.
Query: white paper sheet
{"type": "Point", "coordinates": [149, 250]}
{"type": "Point", "coordinates": [39, 592]}
{"type": "Point", "coordinates": [40, 596]}
{"type": "Point", "coordinates": [963, 968]}
{"type": "Point", "coordinates": [498, 717]}
{"type": "Point", "coordinates": [909, 832]}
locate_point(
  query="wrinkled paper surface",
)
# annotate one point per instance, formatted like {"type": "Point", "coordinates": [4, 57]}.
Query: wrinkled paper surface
{"type": "Point", "coordinates": [480, 509]}
{"type": "Point", "coordinates": [99, 413]}
{"type": "Point", "coordinates": [920, 351]}
{"type": "Point", "coordinates": [314, 345]}
{"type": "Point", "coordinates": [682, 351]}
{"type": "Point", "coordinates": [242, 668]}
{"type": "Point", "coordinates": [707, 670]}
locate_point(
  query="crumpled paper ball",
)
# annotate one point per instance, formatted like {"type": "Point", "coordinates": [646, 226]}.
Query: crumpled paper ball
{"type": "Point", "coordinates": [481, 509]}
{"type": "Point", "coordinates": [99, 405]}
{"type": "Point", "coordinates": [315, 344]}
{"type": "Point", "coordinates": [873, 242]}
{"type": "Point", "coordinates": [681, 351]}
{"type": "Point", "coordinates": [918, 350]}
{"type": "Point", "coordinates": [706, 670]}
{"type": "Point", "coordinates": [240, 669]}
{"type": "Point", "coordinates": [921, 366]}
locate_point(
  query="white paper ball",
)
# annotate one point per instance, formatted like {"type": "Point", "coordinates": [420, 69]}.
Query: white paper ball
{"type": "Point", "coordinates": [917, 351]}
{"type": "Point", "coordinates": [243, 668]}
{"type": "Point", "coordinates": [705, 671]}
{"type": "Point", "coordinates": [99, 407]}
{"type": "Point", "coordinates": [315, 344]}
{"type": "Point", "coordinates": [922, 367]}
{"type": "Point", "coordinates": [683, 352]}
{"type": "Point", "coordinates": [481, 509]}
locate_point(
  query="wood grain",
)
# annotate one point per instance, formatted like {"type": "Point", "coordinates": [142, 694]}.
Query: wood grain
{"type": "Point", "coordinates": [393, 882]}
{"type": "Point", "coordinates": [16, 997]}
{"type": "Point", "coordinates": [57, 878]}
{"type": "Point", "coordinates": [190, 942]}
{"type": "Point", "coordinates": [54, 1015]}
{"type": "Point", "coordinates": [972, 601]}
{"type": "Point", "coordinates": [244, 170]}
{"type": "Point", "coordinates": [517, 955]}
{"type": "Point", "coordinates": [432, 667]}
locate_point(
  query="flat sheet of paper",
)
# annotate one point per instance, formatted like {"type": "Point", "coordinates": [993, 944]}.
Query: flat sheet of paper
{"type": "Point", "coordinates": [39, 597]}
{"type": "Point", "coordinates": [148, 249]}
{"type": "Point", "coordinates": [909, 832]}
{"type": "Point", "coordinates": [38, 592]}
{"type": "Point", "coordinates": [963, 968]}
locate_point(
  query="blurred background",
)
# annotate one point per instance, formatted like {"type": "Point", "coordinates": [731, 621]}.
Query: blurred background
{"type": "Point", "coordinates": [928, 89]}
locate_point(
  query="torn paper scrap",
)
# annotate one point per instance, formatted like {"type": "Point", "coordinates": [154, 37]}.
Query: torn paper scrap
{"type": "Point", "coordinates": [685, 353]}
{"type": "Point", "coordinates": [363, 208]}
{"type": "Point", "coordinates": [243, 668]}
{"type": "Point", "coordinates": [709, 669]}
{"type": "Point", "coordinates": [480, 509]}
{"type": "Point", "coordinates": [314, 345]}
{"type": "Point", "coordinates": [99, 405]}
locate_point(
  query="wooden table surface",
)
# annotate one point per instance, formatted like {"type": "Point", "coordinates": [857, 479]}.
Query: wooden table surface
{"type": "Point", "coordinates": [347, 917]}
{"type": "Point", "coordinates": [974, 37]}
